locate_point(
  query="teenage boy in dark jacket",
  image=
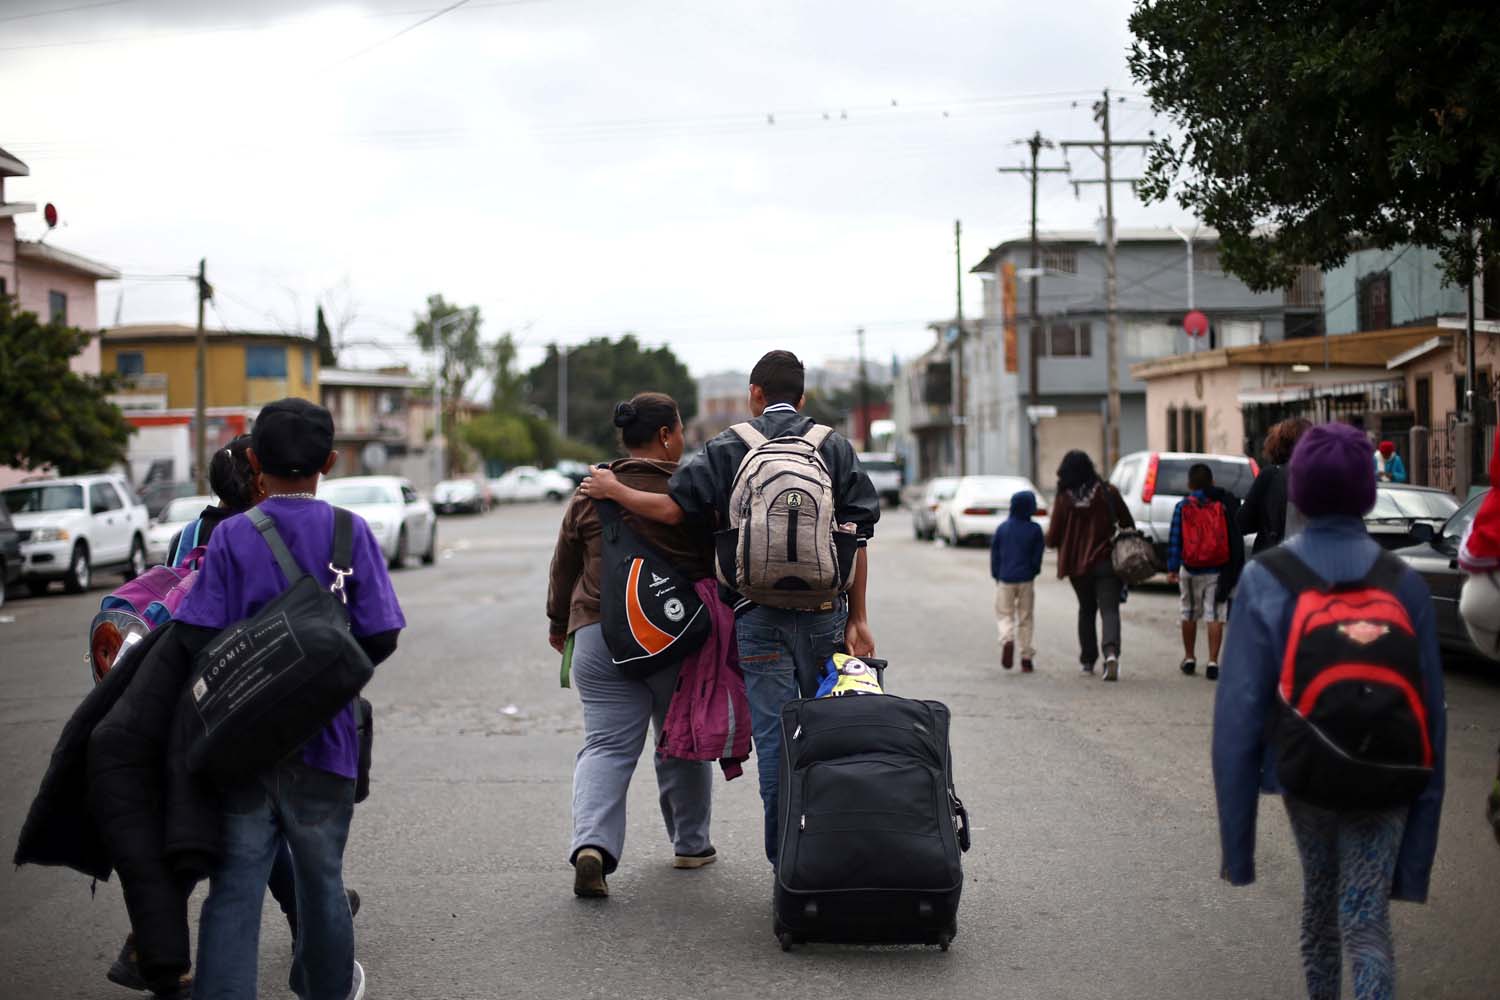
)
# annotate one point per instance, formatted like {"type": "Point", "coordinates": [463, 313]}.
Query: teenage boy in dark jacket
{"type": "Point", "coordinates": [309, 799]}
{"type": "Point", "coordinates": [1015, 562]}
{"type": "Point", "coordinates": [782, 651]}
{"type": "Point", "coordinates": [1205, 566]}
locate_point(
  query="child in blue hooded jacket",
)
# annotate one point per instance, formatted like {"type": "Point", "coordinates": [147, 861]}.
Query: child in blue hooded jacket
{"type": "Point", "coordinates": [1015, 562]}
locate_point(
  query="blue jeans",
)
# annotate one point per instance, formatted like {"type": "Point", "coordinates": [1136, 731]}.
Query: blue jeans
{"type": "Point", "coordinates": [782, 654]}
{"type": "Point", "coordinates": [310, 810]}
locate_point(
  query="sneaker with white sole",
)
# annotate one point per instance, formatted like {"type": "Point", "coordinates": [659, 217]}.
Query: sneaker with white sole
{"type": "Point", "coordinates": [1212, 672]}
{"type": "Point", "coordinates": [1111, 668]}
{"type": "Point", "coordinates": [588, 874]}
{"type": "Point", "coordinates": [699, 860]}
{"type": "Point", "coordinates": [357, 989]}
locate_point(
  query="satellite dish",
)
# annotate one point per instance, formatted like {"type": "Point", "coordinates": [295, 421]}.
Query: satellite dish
{"type": "Point", "coordinates": [49, 215]}
{"type": "Point", "coordinates": [1195, 324]}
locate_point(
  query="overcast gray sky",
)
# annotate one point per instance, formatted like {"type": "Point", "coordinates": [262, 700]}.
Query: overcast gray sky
{"type": "Point", "coordinates": [574, 167]}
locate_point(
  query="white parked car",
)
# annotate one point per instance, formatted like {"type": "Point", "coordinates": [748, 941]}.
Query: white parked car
{"type": "Point", "coordinates": [527, 483]}
{"type": "Point", "coordinates": [72, 526]}
{"type": "Point", "coordinates": [402, 521]}
{"type": "Point", "coordinates": [1152, 482]}
{"type": "Point", "coordinates": [924, 516]}
{"type": "Point", "coordinates": [979, 504]}
{"type": "Point", "coordinates": [177, 515]}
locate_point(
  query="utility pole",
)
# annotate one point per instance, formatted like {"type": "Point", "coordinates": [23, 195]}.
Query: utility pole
{"type": "Point", "coordinates": [562, 392]}
{"type": "Point", "coordinates": [1034, 338]}
{"type": "Point", "coordinates": [864, 393]}
{"type": "Point", "coordinates": [1105, 151]}
{"type": "Point", "coordinates": [200, 405]}
{"type": "Point", "coordinates": [962, 418]}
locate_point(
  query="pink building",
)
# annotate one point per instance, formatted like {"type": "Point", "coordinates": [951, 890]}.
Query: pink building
{"type": "Point", "coordinates": [46, 280]}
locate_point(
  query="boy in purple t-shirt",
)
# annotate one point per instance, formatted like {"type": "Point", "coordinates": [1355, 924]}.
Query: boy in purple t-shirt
{"type": "Point", "coordinates": [308, 801]}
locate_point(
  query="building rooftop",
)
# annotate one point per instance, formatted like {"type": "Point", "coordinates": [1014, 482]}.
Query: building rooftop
{"type": "Point", "coordinates": [12, 167]}
{"type": "Point", "coordinates": [63, 260]}
{"type": "Point", "coordinates": [1091, 237]}
{"type": "Point", "coordinates": [354, 378]}
{"type": "Point", "coordinates": [181, 331]}
{"type": "Point", "coordinates": [1370, 349]}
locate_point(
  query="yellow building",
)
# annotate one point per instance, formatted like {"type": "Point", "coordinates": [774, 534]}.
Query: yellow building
{"type": "Point", "coordinates": [244, 368]}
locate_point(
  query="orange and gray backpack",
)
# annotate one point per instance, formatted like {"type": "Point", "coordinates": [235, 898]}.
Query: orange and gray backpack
{"type": "Point", "coordinates": [1352, 731]}
{"type": "Point", "coordinates": [783, 546]}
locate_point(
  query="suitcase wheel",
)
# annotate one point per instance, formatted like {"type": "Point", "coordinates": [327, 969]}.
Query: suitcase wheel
{"type": "Point", "coordinates": [787, 941]}
{"type": "Point", "coordinates": [945, 940]}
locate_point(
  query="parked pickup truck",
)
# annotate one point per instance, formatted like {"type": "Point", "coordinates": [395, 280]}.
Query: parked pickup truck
{"type": "Point", "coordinates": [74, 525]}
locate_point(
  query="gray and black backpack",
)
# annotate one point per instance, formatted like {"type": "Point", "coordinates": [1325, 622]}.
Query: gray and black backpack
{"type": "Point", "coordinates": [783, 547]}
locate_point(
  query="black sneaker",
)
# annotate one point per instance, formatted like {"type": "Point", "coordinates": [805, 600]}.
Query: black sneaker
{"type": "Point", "coordinates": [1189, 667]}
{"type": "Point", "coordinates": [1088, 668]}
{"type": "Point", "coordinates": [353, 902]}
{"type": "Point", "coordinates": [698, 860]}
{"type": "Point", "coordinates": [1211, 671]}
{"type": "Point", "coordinates": [125, 972]}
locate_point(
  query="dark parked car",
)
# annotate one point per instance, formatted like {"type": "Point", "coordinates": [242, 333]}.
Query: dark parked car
{"type": "Point", "coordinates": [158, 494]}
{"type": "Point", "coordinates": [1399, 508]}
{"type": "Point", "coordinates": [1435, 557]}
{"type": "Point", "coordinates": [10, 552]}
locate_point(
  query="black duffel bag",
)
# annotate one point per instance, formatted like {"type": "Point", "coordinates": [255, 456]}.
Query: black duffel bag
{"type": "Point", "coordinates": [265, 686]}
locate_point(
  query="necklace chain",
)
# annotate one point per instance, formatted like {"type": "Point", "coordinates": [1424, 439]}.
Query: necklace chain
{"type": "Point", "coordinates": [292, 496]}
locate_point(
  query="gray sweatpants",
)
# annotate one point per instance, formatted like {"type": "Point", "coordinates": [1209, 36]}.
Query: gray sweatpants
{"type": "Point", "coordinates": [616, 711]}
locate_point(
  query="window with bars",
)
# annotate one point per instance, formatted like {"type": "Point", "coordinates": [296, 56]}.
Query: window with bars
{"type": "Point", "coordinates": [1067, 340]}
{"type": "Point", "coordinates": [1063, 260]}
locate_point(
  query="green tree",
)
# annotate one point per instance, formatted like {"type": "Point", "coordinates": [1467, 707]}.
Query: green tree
{"type": "Point", "coordinates": [53, 416]}
{"type": "Point", "coordinates": [501, 437]}
{"type": "Point", "coordinates": [1311, 128]}
{"type": "Point", "coordinates": [453, 333]}
{"type": "Point", "coordinates": [326, 356]}
{"type": "Point", "coordinates": [602, 372]}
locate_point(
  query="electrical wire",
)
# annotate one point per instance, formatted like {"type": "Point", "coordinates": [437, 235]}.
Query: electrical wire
{"type": "Point", "coordinates": [63, 10]}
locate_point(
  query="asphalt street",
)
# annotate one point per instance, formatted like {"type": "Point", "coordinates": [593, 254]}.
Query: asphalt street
{"type": "Point", "coordinates": [1093, 874]}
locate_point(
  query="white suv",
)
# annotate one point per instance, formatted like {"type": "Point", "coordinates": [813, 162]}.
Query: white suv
{"type": "Point", "coordinates": [1152, 482]}
{"type": "Point", "coordinates": [71, 526]}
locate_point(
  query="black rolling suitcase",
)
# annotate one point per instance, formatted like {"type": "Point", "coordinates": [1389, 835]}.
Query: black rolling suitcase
{"type": "Point", "coordinates": [871, 829]}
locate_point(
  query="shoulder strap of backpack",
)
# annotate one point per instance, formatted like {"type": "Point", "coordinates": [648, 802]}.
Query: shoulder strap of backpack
{"type": "Point", "coordinates": [342, 562]}
{"type": "Point", "coordinates": [267, 528]}
{"type": "Point", "coordinates": [817, 435]}
{"type": "Point", "coordinates": [610, 517]}
{"type": "Point", "coordinates": [748, 434]}
{"type": "Point", "coordinates": [1386, 573]}
{"type": "Point", "coordinates": [1293, 573]}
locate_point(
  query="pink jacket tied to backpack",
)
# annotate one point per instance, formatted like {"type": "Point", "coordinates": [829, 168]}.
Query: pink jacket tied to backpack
{"type": "Point", "coordinates": [709, 718]}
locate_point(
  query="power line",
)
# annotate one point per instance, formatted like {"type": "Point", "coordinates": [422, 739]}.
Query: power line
{"type": "Point", "coordinates": [63, 10]}
{"type": "Point", "coordinates": [406, 30]}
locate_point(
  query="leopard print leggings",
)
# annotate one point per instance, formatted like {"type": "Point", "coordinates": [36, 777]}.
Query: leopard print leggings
{"type": "Point", "coordinates": [1348, 862]}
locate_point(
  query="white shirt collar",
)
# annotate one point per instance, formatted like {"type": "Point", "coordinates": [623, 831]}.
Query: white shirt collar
{"type": "Point", "coordinates": [779, 408]}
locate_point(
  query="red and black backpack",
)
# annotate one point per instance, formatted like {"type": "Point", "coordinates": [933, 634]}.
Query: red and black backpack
{"type": "Point", "coordinates": [1352, 731]}
{"type": "Point", "coordinates": [1205, 534]}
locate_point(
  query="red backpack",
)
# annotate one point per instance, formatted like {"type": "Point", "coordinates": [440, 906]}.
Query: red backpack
{"type": "Point", "coordinates": [1205, 534]}
{"type": "Point", "coordinates": [1352, 731]}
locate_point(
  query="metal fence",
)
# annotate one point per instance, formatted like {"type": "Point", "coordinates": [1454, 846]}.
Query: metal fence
{"type": "Point", "coordinates": [1441, 462]}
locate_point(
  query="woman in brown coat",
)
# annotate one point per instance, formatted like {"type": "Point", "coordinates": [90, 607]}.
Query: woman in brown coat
{"type": "Point", "coordinates": [1084, 518]}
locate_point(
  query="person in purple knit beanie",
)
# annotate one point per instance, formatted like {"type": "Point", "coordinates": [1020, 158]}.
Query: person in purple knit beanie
{"type": "Point", "coordinates": [1332, 472]}
{"type": "Point", "coordinates": [1357, 856]}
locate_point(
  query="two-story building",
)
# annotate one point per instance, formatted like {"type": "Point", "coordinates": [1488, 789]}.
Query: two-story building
{"type": "Point", "coordinates": [1155, 268]}
{"type": "Point", "coordinates": [44, 279]}
{"type": "Point", "coordinates": [244, 370]}
{"type": "Point", "coordinates": [372, 421]}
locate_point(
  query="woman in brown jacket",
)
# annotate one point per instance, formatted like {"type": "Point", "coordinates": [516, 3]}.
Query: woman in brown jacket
{"type": "Point", "coordinates": [1085, 514]}
{"type": "Point", "coordinates": [617, 709]}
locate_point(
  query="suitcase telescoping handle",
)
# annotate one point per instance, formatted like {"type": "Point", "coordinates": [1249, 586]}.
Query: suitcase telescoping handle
{"type": "Point", "coordinates": [962, 816]}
